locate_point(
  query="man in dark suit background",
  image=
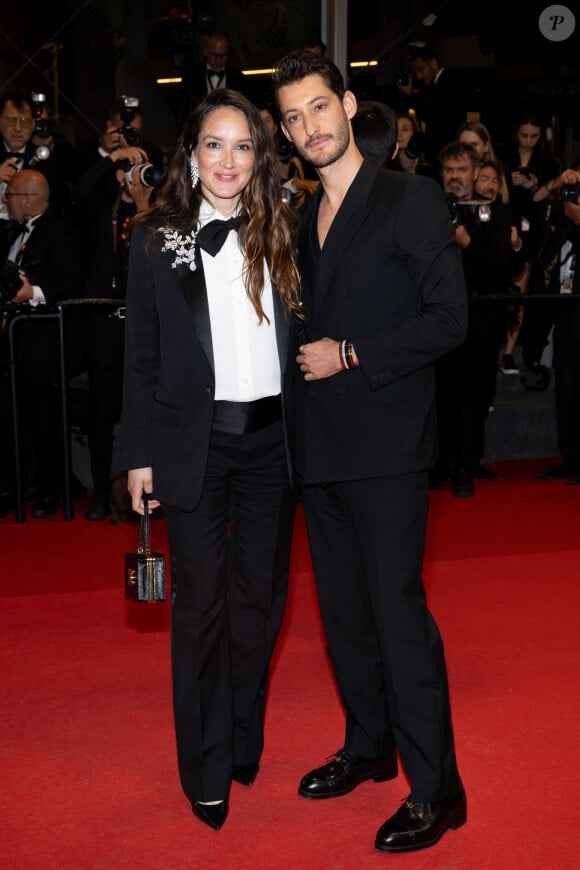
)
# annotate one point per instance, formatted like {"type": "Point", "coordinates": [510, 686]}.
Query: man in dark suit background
{"type": "Point", "coordinates": [44, 246]}
{"type": "Point", "coordinates": [436, 94]}
{"type": "Point", "coordinates": [20, 149]}
{"type": "Point", "coordinates": [214, 72]}
{"type": "Point", "coordinates": [384, 297]}
{"type": "Point", "coordinates": [109, 194]}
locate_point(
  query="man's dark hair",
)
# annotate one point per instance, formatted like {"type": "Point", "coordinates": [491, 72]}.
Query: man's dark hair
{"type": "Point", "coordinates": [457, 150]}
{"type": "Point", "coordinates": [17, 98]}
{"type": "Point", "coordinates": [423, 52]}
{"type": "Point", "coordinates": [299, 64]}
{"type": "Point", "coordinates": [492, 164]}
{"type": "Point", "coordinates": [375, 131]}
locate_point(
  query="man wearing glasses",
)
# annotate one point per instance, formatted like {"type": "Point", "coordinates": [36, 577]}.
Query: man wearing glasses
{"type": "Point", "coordinates": [17, 151]}
{"type": "Point", "coordinates": [16, 126]}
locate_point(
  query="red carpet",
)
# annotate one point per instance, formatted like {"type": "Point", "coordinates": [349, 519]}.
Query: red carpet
{"type": "Point", "coordinates": [88, 772]}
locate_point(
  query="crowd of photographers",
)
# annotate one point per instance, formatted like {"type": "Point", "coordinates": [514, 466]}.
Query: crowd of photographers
{"type": "Point", "coordinates": [64, 234]}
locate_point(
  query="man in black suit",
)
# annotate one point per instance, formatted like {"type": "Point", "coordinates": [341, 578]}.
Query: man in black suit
{"type": "Point", "coordinates": [435, 93]}
{"type": "Point", "coordinates": [384, 296]}
{"type": "Point", "coordinates": [214, 72]}
{"type": "Point", "coordinates": [466, 377]}
{"type": "Point", "coordinates": [20, 149]}
{"type": "Point", "coordinates": [109, 193]}
{"type": "Point", "coordinates": [44, 247]}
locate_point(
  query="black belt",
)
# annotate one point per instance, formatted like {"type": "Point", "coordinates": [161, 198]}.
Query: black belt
{"type": "Point", "coordinates": [239, 418]}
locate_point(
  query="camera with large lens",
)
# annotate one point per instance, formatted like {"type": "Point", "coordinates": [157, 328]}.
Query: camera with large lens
{"type": "Point", "coordinates": [467, 213]}
{"type": "Point", "coordinates": [128, 113]}
{"type": "Point", "coordinates": [404, 78]}
{"type": "Point", "coordinates": [42, 127]}
{"type": "Point", "coordinates": [570, 192]}
{"type": "Point", "coordinates": [10, 280]}
{"type": "Point", "coordinates": [148, 174]}
{"type": "Point", "coordinates": [415, 146]}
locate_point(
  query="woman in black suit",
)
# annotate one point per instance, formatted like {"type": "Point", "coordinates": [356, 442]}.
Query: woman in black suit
{"type": "Point", "coordinates": [209, 364]}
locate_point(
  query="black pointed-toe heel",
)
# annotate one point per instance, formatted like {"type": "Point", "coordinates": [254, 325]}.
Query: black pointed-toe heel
{"type": "Point", "coordinates": [213, 815]}
{"type": "Point", "coordinates": [245, 774]}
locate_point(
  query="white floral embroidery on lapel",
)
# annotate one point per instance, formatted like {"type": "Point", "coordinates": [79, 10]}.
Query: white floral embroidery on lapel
{"type": "Point", "coordinates": [182, 245]}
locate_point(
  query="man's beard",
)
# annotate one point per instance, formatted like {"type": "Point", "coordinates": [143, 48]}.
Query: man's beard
{"type": "Point", "coordinates": [338, 144]}
{"type": "Point", "coordinates": [458, 190]}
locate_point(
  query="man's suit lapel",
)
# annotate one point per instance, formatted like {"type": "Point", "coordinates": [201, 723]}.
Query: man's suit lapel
{"type": "Point", "coordinates": [345, 224]}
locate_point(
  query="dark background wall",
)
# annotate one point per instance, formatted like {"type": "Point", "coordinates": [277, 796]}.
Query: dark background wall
{"type": "Point", "coordinates": [94, 50]}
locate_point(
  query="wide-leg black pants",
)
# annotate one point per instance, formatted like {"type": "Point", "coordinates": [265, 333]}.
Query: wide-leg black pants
{"type": "Point", "coordinates": [230, 561]}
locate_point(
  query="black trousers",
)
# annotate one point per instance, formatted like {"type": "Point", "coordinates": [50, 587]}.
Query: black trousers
{"type": "Point", "coordinates": [230, 562]}
{"type": "Point", "coordinates": [367, 539]}
{"type": "Point", "coordinates": [466, 381]}
{"type": "Point", "coordinates": [105, 352]}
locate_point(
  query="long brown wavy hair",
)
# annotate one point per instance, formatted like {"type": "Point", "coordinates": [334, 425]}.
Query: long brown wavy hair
{"type": "Point", "coordinates": [267, 224]}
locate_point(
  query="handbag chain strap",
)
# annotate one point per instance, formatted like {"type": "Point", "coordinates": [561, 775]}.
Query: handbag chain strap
{"type": "Point", "coordinates": [144, 539]}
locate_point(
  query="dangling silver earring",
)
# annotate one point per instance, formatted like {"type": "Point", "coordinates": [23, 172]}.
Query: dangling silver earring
{"type": "Point", "coordinates": [194, 172]}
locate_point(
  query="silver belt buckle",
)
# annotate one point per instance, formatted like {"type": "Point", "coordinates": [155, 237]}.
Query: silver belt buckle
{"type": "Point", "coordinates": [119, 312]}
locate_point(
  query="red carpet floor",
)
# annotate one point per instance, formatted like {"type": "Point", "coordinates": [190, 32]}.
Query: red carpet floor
{"type": "Point", "coordinates": [87, 763]}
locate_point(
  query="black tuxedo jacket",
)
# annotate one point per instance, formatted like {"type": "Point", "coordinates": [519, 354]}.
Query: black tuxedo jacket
{"type": "Point", "coordinates": [169, 382]}
{"type": "Point", "coordinates": [389, 278]}
{"type": "Point", "coordinates": [50, 257]}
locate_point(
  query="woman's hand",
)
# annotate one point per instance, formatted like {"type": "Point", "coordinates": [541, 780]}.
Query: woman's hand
{"type": "Point", "coordinates": [140, 480]}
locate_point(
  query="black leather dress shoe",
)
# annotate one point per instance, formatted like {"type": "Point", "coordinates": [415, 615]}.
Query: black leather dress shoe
{"type": "Point", "coordinates": [419, 825]}
{"type": "Point", "coordinates": [344, 773]}
{"type": "Point", "coordinates": [213, 815]}
{"type": "Point", "coordinates": [46, 506]}
{"type": "Point", "coordinates": [462, 483]}
{"type": "Point", "coordinates": [98, 508]}
{"type": "Point", "coordinates": [560, 472]}
{"type": "Point", "coordinates": [245, 774]}
{"type": "Point", "coordinates": [483, 473]}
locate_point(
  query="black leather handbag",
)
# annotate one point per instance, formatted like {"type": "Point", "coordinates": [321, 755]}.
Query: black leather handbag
{"type": "Point", "coordinates": [145, 575]}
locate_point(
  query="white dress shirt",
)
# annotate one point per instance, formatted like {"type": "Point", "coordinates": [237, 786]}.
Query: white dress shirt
{"type": "Point", "coordinates": [245, 352]}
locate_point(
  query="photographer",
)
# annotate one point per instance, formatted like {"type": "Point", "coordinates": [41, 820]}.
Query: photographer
{"type": "Point", "coordinates": [20, 148]}
{"type": "Point", "coordinates": [466, 378]}
{"type": "Point", "coordinates": [559, 259]}
{"type": "Point", "coordinates": [43, 245]}
{"type": "Point", "coordinates": [121, 173]}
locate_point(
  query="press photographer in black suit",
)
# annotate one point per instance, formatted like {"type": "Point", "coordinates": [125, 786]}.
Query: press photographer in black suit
{"type": "Point", "coordinates": [21, 148]}
{"type": "Point", "coordinates": [559, 258]}
{"type": "Point", "coordinates": [466, 377]}
{"type": "Point", "coordinates": [109, 193]}
{"type": "Point", "coordinates": [45, 248]}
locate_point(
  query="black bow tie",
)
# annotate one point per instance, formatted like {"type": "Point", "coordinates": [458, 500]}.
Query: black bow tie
{"type": "Point", "coordinates": [212, 236]}
{"type": "Point", "coordinates": [15, 229]}
{"type": "Point", "coordinates": [14, 155]}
